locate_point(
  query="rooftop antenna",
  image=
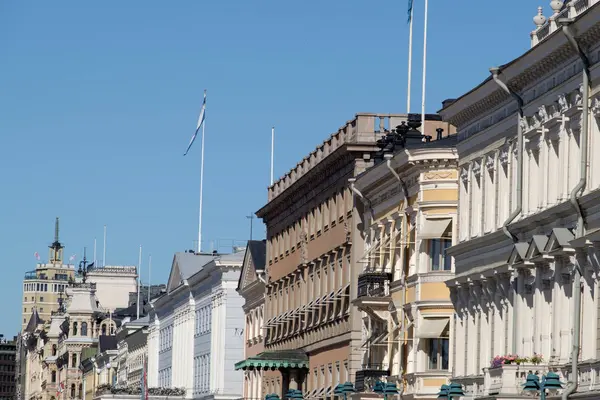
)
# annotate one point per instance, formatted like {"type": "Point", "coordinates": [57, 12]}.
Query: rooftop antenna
{"type": "Point", "coordinates": [104, 249]}
{"type": "Point", "coordinates": [149, 276]}
{"type": "Point", "coordinates": [272, 154]}
{"type": "Point", "coordinates": [139, 281]}
{"type": "Point", "coordinates": [251, 218]}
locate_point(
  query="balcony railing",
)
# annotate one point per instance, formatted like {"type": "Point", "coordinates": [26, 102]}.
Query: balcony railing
{"type": "Point", "coordinates": [374, 284]}
{"type": "Point", "coordinates": [369, 374]}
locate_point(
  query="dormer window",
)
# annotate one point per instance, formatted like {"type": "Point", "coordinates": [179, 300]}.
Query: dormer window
{"type": "Point", "coordinates": [84, 328]}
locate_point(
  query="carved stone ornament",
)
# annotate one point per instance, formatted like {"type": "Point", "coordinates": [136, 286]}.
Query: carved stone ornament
{"type": "Point", "coordinates": [476, 169]}
{"type": "Point", "coordinates": [489, 163]}
{"type": "Point", "coordinates": [464, 175]}
{"type": "Point", "coordinates": [503, 157]}
{"type": "Point", "coordinates": [579, 95]}
{"type": "Point", "coordinates": [562, 102]}
{"type": "Point", "coordinates": [596, 107]}
{"type": "Point", "coordinates": [524, 124]}
{"type": "Point", "coordinates": [543, 114]}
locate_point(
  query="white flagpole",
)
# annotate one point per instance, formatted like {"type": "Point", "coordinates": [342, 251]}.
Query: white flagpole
{"type": "Point", "coordinates": [104, 249]}
{"type": "Point", "coordinates": [139, 281]}
{"type": "Point", "coordinates": [424, 66]}
{"type": "Point", "coordinates": [410, 50]}
{"type": "Point", "coordinates": [95, 265]}
{"type": "Point", "coordinates": [272, 151]}
{"type": "Point", "coordinates": [149, 275]}
{"type": "Point", "coordinates": [201, 183]}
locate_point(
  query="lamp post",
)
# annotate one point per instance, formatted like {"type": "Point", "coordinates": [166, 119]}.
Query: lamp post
{"type": "Point", "coordinates": [451, 391]}
{"type": "Point", "coordinates": [343, 389]}
{"type": "Point", "coordinates": [385, 389]}
{"type": "Point", "coordinates": [550, 382]}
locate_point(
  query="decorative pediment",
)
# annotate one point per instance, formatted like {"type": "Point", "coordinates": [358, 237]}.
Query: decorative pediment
{"type": "Point", "coordinates": [476, 169]}
{"type": "Point", "coordinates": [558, 241]}
{"type": "Point", "coordinates": [489, 163]}
{"type": "Point", "coordinates": [248, 274]}
{"type": "Point", "coordinates": [464, 175]}
{"type": "Point", "coordinates": [537, 244]}
{"type": "Point", "coordinates": [503, 157]}
{"type": "Point", "coordinates": [518, 254]}
{"type": "Point", "coordinates": [595, 109]}
{"type": "Point", "coordinates": [174, 277]}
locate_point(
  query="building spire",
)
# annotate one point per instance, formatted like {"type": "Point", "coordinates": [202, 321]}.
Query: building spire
{"type": "Point", "coordinates": [56, 249]}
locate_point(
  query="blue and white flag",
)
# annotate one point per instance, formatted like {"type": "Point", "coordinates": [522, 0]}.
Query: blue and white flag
{"type": "Point", "coordinates": [410, 7]}
{"type": "Point", "coordinates": [200, 122]}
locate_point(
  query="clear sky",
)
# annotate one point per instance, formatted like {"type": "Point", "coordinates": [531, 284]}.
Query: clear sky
{"type": "Point", "coordinates": [98, 101]}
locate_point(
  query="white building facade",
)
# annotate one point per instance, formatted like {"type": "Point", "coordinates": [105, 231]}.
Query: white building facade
{"type": "Point", "coordinates": [195, 333]}
{"type": "Point", "coordinates": [514, 291]}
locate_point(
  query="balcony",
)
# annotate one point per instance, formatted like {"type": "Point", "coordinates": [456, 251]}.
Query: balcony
{"type": "Point", "coordinates": [374, 284]}
{"type": "Point", "coordinates": [369, 374]}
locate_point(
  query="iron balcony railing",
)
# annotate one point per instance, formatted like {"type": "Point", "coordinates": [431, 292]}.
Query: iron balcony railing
{"type": "Point", "coordinates": [374, 284]}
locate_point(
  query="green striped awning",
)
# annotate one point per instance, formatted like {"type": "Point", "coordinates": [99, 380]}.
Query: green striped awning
{"type": "Point", "coordinates": [275, 360]}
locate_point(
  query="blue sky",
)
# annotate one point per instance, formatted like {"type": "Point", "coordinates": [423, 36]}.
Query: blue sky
{"type": "Point", "coordinates": [99, 101]}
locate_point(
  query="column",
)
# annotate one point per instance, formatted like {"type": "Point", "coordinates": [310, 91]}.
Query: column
{"type": "Point", "coordinates": [188, 332]}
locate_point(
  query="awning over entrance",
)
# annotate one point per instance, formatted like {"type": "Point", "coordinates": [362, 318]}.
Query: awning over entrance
{"type": "Point", "coordinates": [431, 328]}
{"type": "Point", "coordinates": [274, 360]}
{"type": "Point", "coordinates": [434, 228]}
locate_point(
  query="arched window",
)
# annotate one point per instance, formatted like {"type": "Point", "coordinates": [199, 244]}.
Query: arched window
{"type": "Point", "coordinates": [74, 360]}
{"type": "Point", "coordinates": [73, 391]}
{"type": "Point", "coordinates": [53, 349]}
{"type": "Point", "coordinates": [52, 398]}
{"type": "Point", "coordinates": [84, 329]}
{"type": "Point", "coordinates": [103, 329]}
{"type": "Point", "coordinates": [80, 391]}
{"type": "Point", "coordinates": [74, 328]}
{"type": "Point", "coordinates": [53, 376]}
{"type": "Point", "coordinates": [112, 329]}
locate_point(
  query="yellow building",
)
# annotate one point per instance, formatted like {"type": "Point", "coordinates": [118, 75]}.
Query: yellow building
{"type": "Point", "coordinates": [409, 204]}
{"type": "Point", "coordinates": [43, 286]}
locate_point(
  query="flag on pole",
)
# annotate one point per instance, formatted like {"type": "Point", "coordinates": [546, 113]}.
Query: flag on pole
{"type": "Point", "coordinates": [72, 258]}
{"type": "Point", "coordinates": [410, 7]}
{"type": "Point", "coordinates": [36, 255]}
{"type": "Point", "coordinates": [200, 122]}
{"type": "Point", "coordinates": [144, 383]}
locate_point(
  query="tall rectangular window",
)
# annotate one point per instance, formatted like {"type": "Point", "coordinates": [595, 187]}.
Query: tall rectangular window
{"type": "Point", "coordinates": [437, 253]}
{"type": "Point", "coordinates": [438, 353]}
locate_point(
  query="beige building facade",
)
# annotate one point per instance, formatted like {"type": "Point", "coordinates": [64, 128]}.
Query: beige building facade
{"type": "Point", "coordinates": [311, 331]}
{"type": "Point", "coordinates": [409, 219]}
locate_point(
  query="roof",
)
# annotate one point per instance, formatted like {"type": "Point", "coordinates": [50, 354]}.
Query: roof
{"type": "Point", "coordinates": [106, 342]}
{"type": "Point", "coordinates": [255, 257]}
{"type": "Point", "coordinates": [34, 321]}
{"type": "Point", "coordinates": [275, 359]}
{"type": "Point", "coordinates": [235, 258]}
{"type": "Point", "coordinates": [258, 251]}
{"type": "Point", "coordinates": [185, 265]}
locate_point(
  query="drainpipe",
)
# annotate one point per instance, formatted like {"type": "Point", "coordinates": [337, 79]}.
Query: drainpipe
{"type": "Point", "coordinates": [388, 163]}
{"type": "Point", "coordinates": [578, 191]}
{"type": "Point", "coordinates": [364, 200]}
{"type": "Point", "coordinates": [495, 71]}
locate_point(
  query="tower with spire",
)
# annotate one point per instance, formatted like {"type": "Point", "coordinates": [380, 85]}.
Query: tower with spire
{"type": "Point", "coordinates": [55, 255]}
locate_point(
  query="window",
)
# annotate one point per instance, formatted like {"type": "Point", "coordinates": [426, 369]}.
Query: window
{"type": "Point", "coordinates": [437, 252]}
{"type": "Point", "coordinates": [104, 329]}
{"type": "Point", "coordinates": [73, 391]}
{"type": "Point", "coordinates": [438, 353]}
{"type": "Point", "coordinates": [42, 298]}
{"type": "Point", "coordinates": [53, 349]}
{"type": "Point", "coordinates": [74, 360]}
{"type": "Point", "coordinates": [84, 329]}
{"type": "Point", "coordinates": [74, 328]}
{"type": "Point", "coordinates": [25, 299]}
{"type": "Point", "coordinates": [53, 376]}
{"type": "Point", "coordinates": [80, 391]}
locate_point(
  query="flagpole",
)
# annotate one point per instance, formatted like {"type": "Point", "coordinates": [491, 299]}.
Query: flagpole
{"type": "Point", "coordinates": [95, 265]}
{"type": "Point", "coordinates": [410, 51]}
{"type": "Point", "coordinates": [272, 151]}
{"type": "Point", "coordinates": [139, 281]}
{"type": "Point", "coordinates": [201, 184]}
{"type": "Point", "coordinates": [149, 275]}
{"type": "Point", "coordinates": [104, 249]}
{"type": "Point", "coordinates": [424, 65]}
